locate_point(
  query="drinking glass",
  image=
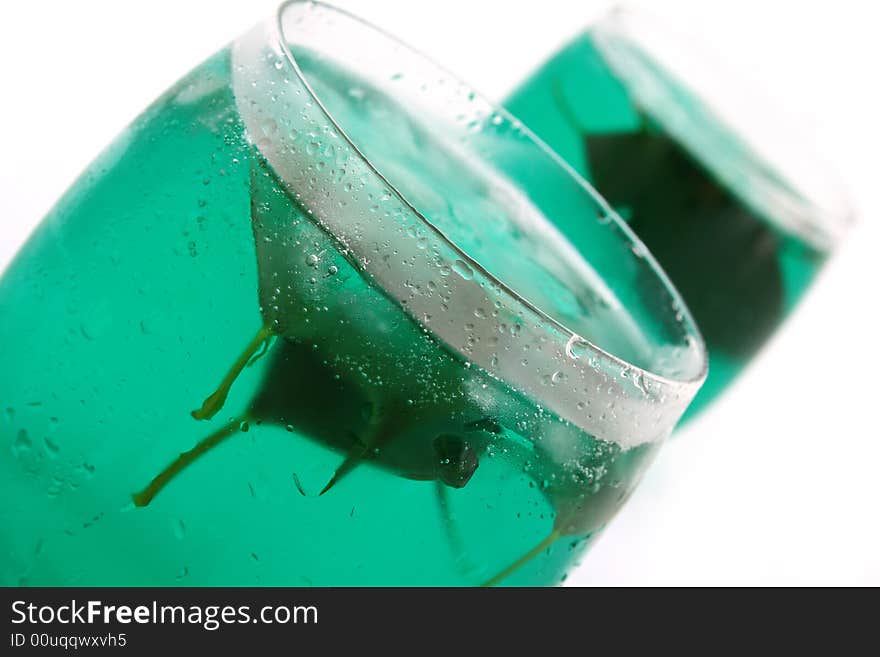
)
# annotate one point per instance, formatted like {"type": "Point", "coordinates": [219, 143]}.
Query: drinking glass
{"type": "Point", "coordinates": [306, 322]}
{"type": "Point", "coordinates": [735, 207]}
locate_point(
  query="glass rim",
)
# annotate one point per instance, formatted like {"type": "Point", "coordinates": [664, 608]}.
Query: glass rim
{"type": "Point", "coordinates": [694, 353]}
{"type": "Point", "coordinates": [645, 49]}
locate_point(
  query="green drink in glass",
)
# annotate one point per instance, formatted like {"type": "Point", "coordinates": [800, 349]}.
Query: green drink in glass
{"type": "Point", "coordinates": [306, 323]}
{"type": "Point", "coordinates": [737, 211]}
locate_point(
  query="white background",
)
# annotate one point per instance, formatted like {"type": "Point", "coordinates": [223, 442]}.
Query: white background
{"type": "Point", "coordinates": [779, 483]}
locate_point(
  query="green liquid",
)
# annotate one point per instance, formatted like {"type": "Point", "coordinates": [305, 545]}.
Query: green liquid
{"type": "Point", "coordinates": [178, 255]}
{"type": "Point", "coordinates": [737, 273]}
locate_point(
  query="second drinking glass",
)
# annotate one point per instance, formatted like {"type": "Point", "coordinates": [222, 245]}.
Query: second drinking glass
{"type": "Point", "coordinates": [306, 322]}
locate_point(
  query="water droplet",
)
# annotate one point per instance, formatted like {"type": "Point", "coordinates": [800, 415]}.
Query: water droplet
{"type": "Point", "coordinates": [576, 347]}
{"type": "Point", "coordinates": [638, 379]}
{"type": "Point", "coordinates": [463, 269]}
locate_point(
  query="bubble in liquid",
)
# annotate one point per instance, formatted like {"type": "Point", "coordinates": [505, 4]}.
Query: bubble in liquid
{"type": "Point", "coordinates": [51, 447]}
{"type": "Point", "coordinates": [22, 442]}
